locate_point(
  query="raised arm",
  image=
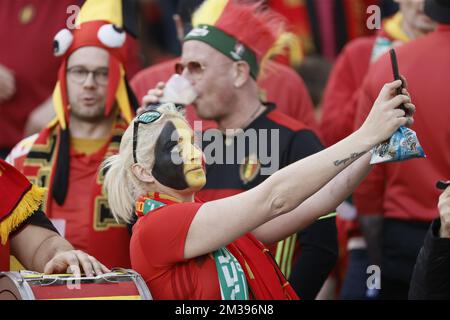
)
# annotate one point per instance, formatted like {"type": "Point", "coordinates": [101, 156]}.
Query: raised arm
{"type": "Point", "coordinates": [223, 221]}
{"type": "Point", "coordinates": [322, 202]}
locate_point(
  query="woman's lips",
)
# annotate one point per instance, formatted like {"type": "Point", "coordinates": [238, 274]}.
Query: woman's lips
{"type": "Point", "coordinates": [194, 169]}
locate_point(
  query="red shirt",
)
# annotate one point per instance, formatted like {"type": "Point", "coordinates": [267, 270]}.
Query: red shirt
{"type": "Point", "coordinates": [341, 93]}
{"type": "Point", "coordinates": [76, 212]}
{"type": "Point", "coordinates": [406, 190]}
{"type": "Point", "coordinates": [280, 85]}
{"type": "Point", "coordinates": [27, 28]}
{"type": "Point", "coordinates": [157, 253]}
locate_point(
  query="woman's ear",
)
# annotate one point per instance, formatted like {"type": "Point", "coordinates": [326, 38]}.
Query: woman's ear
{"type": "Point", "coordinates": [241, 73]}
{"type": "Point", "coordinates": [142, 174]}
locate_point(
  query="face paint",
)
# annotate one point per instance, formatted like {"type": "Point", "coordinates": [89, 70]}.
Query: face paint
{"type": "Point", "coordinates": [176, 158]}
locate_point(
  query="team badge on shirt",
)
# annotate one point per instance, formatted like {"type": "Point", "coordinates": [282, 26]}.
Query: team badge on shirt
{"type": "Point", "coordinates": [249, 170]}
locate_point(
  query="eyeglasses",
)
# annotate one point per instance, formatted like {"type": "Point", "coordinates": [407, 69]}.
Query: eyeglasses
{"type": "Point", "coordinates": [79, 75]}
{"type": "Point", "coordinates": [147, 117]}
{"type": "Point", "coordinates": [195, 68]}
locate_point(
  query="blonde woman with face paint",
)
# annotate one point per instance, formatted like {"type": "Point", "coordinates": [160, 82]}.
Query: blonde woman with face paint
{"type": "Point", "coordinates": [190, 250]}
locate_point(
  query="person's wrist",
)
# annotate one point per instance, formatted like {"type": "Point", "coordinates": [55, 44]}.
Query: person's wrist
{"type": "Point", "coordinates": [366, 139]}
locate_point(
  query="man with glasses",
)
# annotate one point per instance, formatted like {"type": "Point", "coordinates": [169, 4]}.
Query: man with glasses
{"type": "Point", "coordinates": [223, 72]}
{"type": "Point", "coordinates": [93, 106]}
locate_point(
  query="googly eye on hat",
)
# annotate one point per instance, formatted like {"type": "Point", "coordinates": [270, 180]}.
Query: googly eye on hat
{"type": "Point", "coordinates": [62, 42]}
{"type": "Point", "coordinates": [111, 36]}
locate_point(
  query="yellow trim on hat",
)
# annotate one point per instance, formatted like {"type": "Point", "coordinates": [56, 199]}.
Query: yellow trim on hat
{"type": "Point", "coordinates": [58, 105]}
{"type": "Point", "coordinates": [209, 12]}
{"type": "Point", "coordinates": [122, 97]}
{"type": "Point", "coordinates": [26, 207]}
{"type": "Point", "coordinates": [107, 10]}
{"type": "Point", "coordinates": [286, 40]}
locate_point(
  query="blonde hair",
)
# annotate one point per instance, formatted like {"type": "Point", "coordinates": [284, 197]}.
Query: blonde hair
{"type": "Point", "coordinates": [121, 184]}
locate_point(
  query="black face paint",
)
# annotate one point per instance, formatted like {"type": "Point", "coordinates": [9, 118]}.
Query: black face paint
{"type": "Point", "coordinates": [165, 170]}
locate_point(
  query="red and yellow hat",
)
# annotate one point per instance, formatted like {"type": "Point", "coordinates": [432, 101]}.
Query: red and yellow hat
{"type": "Point", "coordinates": [241, 31]}
{"type": "Point", "coordinates": [19, 199]}
{"type": "Point", "coordinates": [101, 24]}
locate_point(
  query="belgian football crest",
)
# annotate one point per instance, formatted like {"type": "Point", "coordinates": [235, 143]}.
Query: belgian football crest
{"type": "Point", "coordinates": [249, 170]}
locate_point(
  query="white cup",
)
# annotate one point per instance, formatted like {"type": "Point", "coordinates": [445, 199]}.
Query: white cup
{"type": "Point", "coordinates": [178, 90]}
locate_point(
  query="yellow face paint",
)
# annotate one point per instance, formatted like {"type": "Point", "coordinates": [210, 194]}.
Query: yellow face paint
{"type": "Point", "coordinates": [178, 162]}
{"type": "Point", "coordinates": [193, 169]}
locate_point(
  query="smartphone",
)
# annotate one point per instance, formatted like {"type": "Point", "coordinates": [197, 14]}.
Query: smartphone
{"type": "Point", "coordinates": [394, 64]}
{"type": "Point", "coordinates": [442, 184]}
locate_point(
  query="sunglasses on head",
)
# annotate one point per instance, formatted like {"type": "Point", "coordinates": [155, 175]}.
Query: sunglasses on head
{"type": "Point", "coordinates": [147, 117]}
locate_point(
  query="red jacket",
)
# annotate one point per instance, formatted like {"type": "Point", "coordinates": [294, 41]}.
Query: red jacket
{"type": "Point", "coordinates": [405, 190]}
{"type": "Point", "coordinates": [339, 100]}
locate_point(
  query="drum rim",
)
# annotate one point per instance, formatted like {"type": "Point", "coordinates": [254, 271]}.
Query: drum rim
{"type": "Point", "coordinates": [22, 286]}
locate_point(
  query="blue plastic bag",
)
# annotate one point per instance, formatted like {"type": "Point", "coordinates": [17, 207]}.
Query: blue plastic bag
{"type": "Point", "coordinates": [403, 145]}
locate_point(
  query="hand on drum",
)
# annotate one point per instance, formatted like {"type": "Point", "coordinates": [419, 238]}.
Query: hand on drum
{"type": "Point", "coordinates": [70, 261]}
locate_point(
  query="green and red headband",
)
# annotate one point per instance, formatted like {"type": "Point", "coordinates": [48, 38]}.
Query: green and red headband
{"type": "Point", "coordinates": [226, 44]}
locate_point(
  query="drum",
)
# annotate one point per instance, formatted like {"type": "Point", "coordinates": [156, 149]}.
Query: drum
{"type": "Point", "coordinates": [120, 284]}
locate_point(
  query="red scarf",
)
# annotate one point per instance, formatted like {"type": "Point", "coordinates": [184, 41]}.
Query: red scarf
{"type": "Point", "coordinates": [264, 277]}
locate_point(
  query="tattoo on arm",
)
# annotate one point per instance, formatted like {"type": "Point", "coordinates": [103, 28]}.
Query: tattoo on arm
{"type": "Point", "coordinates": [352, 157]}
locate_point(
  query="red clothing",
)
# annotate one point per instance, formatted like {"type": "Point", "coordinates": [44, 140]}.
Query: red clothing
{"type": "Point", "coordinates": [405, 190]}
{"type": "Point", "coordinates": [26, 36]}
{"type": "Point", "coordinates": [280, 85]}
{"type": "Point", "coordinates": [341, 93]}
{"type": "Point", "coordinates": [4, 257]}
{"type": "Point", "coordinates": [74, 212]}
{"type": "Point", "coordinates": [157, 253]}
{"type": "Point", "coordinates": [286, 89]}
{"type": "Point", "coordinates": [89, 224]}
